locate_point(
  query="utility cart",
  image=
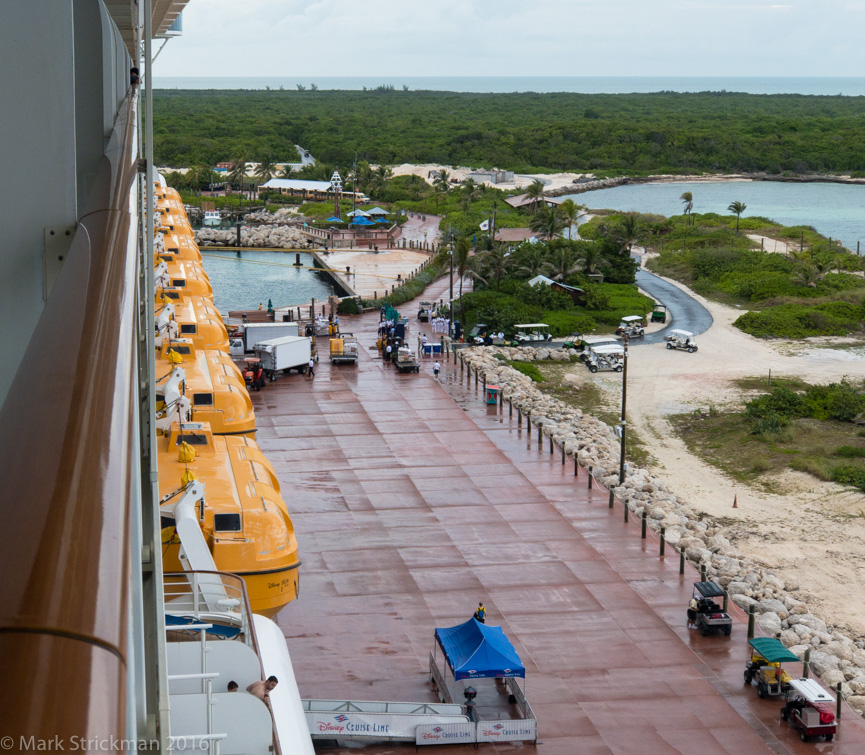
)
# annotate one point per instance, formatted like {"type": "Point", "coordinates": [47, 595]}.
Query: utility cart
{"type": "Point", "coordinates": [709, 615]}
{"type": "Point", "coordinates": [764, 668]}
{"type": "Point", "coordinates": [405, 360]}
{"type": "Point", "coordinates": [343, 349]}
{"type": "Point", "coordinates": [423, 313]}
{"type": "Point", "coordinates": [809, 709]}
{"type": "Point", "coordinates": [659, 313]}
{"type": "Point", "coordinates": [606, 357]}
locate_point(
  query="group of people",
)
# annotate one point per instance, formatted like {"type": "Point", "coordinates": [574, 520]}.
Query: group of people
{"type": "Point", "coordinates": [261, 689]}
{"type": "Point", "coordinates": [440, 324]}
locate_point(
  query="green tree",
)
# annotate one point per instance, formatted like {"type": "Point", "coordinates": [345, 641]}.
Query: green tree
{"type": "Point", "coordinates": [628, 232]}
{"type": "Point", "coordinates": [535, 192]}
{"type": "Point", "coordinates": [533, 262]}
{"type": "Point", "coordinates": [266, 168]}
{"type": "Point", "coordinates": [738, 208]}
{"type": "Point", "coordinates": [496, 264]}
{"type": "Point", "coordinates": [592, 258]}
{"type": "Point", "coordinates": [465, 266]}
{"type": "Point", "coordinates": [287, 171]}
{"type": "Point", "coordinates": [570, 212]}
{"type": "Point", "coordinates": [562, 264]}
{"type": "Point", "coordinates": [443, 180]}
{"type": "Point", "coordinates": [548, 222]}
{"type": "Point", "coordinates": [688, 200]}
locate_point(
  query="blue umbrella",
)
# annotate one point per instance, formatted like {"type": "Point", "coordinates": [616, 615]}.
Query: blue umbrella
{"type": "Point", "coordinates": [334, 219]}
{"type": "Point", "coordinates": [361, 221]}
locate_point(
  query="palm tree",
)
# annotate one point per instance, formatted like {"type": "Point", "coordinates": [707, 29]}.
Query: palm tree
{"type": "Point", "coordinates": [237, 174]}
{"type": "Point", "coordinates": [592, 259]}
{"type": "Point", "coordinates": [496, 263]}
{"type": "Point", "coordinates": [469, 189]}
{"type": "Point", "coordinates": [548, 222]}
{"type": "Point", "coordinates": [266, 168]}
{"type": "Point", "coordinates": [562, 264]}
{"type": "Point", "coordinates": [466, 267]}
{"type": "Point", "coordinates": [628, 232]}
{"type": "Point", "coordinates": [287, 171]}
{"type": "Point", "coordinates": [533, 262]}
{"type": "Point", "coordinates": [570, 212]}
{"type": "Point", "coordinates": [381, 175]}
{"type": "Point", "coordinates": [535, 192]}
{"type": "Point", "coordinates": [738, 208]}
{"type": "Point", "coordinates": [808, 274]}
{"type": "Point", "coordinates": [688, 200]}
{"type": "Point", "coordinates": [442, 180]}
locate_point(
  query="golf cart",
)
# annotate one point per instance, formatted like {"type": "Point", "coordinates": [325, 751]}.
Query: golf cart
{"type": "Point", "coordinates": [681, 339]}
{"type": "Point", "coordinates": [606, 357]}
{"type": "Point", "coordinates": [709, 615]}
{"type": "Point", "coordinates": [809, 709]}
{"type": "Point", "coordinates": [478, 334]}
{"type": "Point", "coordinates": [532, 332]}
{"type": "Point", "coordinates": [589, 342]}
{"type": "Point", "coordinates": [659, 313]}
{"type": "Point", "coordinates": [764, 668]}
{"type": "Point", "coordinates": [631, 327]}
{"type": "Point", "coordinates": [574, 341]}
{"type": "Point", "coordinates": [423, 314]}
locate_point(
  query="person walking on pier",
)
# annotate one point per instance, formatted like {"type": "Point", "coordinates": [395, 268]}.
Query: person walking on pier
{"type": "Point", "coordinates": [310, 369]}
{"type": "Point", "coordinates": [481, 613]}
{"type": "Point", "coordinates": [436, 368]}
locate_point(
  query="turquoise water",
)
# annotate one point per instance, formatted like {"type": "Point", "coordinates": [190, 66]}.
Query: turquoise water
{"type": "Point", "coordinates": [835, 210]}
{"type": "Point", "coordinates": [244, 283]}
{"type": "Point", "coordinates": [848, 86]}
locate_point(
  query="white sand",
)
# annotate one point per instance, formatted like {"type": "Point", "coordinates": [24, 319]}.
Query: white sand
{"type": "Point", "coordinates": [809, 531]}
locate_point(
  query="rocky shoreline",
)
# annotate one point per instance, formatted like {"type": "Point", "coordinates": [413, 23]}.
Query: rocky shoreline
{"type": "Point", "coordinates": [262, 236]}
{"type": "Point", "coordinates": [834, 657]}
{"type": "Point", "coordinates": [609, 183]}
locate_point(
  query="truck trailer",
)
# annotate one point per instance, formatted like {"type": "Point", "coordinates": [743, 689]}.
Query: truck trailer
{"type": "Point", "coordinates": [281, 355]}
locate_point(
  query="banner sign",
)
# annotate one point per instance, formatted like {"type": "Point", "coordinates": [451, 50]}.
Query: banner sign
{"type": "Point", "coordinates": [443, 734]}
{"type": "Point", "coordinates": [338, 725]}
{"type": "Point", "coordinates": [507, 731]}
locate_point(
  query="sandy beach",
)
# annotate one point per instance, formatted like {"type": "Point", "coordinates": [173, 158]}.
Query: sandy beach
{"type": "Point", "coordinates": [802, 520]}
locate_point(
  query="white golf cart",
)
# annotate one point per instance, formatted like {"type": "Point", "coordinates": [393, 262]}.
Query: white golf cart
{"type": "Point", "coordinates": [631, 327]}
{"type": "Point", "coordinates": [589, 342]}
{"type": "Point", "coordinates": [609, 357]}
{"type": "Point", "coordinates": [681, 339]}
{"type": "Point", "coordinates": [532, 332]}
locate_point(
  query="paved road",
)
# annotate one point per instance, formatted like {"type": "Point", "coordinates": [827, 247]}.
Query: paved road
{"type": "Point", "coordinates": [687, 313]}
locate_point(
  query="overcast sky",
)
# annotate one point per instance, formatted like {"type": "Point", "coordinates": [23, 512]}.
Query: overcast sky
{"type": "Point", "coordinates": [308, 38]}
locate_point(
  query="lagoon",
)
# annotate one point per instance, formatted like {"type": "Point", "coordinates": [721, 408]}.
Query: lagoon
{"type": "Point", "coordinates": [255, 277]}
{"type": "Point", "coordinates": [835, 210]}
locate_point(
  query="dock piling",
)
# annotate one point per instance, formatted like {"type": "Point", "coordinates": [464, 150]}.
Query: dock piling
{"type": "Point", "coordinates": [837, 701]}
{"type": "Point", "coordinates": [681, 560]}
{"type": "Point", "coordinates": [643, 525]}
{"type": "Point", "coordinates": [591, 470]}
{"type": "Point", "coordinates": [751, 629]}
{"type": "Point", "coordinates": [627, 512]}
{"type": "Point", "coordinates": [702, 572]}
{"type": "Point", "coordinates": [612, 500]}
{"type": "Point", "coordinates": [663, 540]}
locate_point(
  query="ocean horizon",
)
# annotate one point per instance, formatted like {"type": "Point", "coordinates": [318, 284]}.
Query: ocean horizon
{"type": "Point", "coordinates": [826, 86]}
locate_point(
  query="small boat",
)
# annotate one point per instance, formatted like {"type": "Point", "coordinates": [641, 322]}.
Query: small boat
{"type": "Point", "coordinates": [221, 510]}
{"type": "Point", "coordinates": [183, 274]}
{"type": "Point", "coordinates": [212, 218]}
{"type": "Point", "coordinates": [192, 317]}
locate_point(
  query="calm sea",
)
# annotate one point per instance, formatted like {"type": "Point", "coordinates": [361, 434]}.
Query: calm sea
{"type": "Point", "coordinates": [835, 210]}
{"type": "Point", "coordinates": [258, 277]}
{"type": "Point", "coordinates": [848, 86]}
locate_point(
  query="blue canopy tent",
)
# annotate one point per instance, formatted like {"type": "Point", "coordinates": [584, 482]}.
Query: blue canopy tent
{"type": "Point", "coordinates": [360, 220]}
{"type": "Point", "coordinates": [477, 651]}
{"type": "Point", "coordinates": [334, 219]}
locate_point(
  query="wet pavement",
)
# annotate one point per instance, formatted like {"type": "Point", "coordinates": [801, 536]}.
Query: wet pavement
{"type": "Point", "coordinates": [412, 501]}
{"type": "Point", "coordinates": [684, 311]}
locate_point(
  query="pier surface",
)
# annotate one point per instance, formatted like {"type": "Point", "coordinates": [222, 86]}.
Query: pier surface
{"type": "Point", "coordinates": [374, 273]}
{"type": "Point", "coordinates": [412, 501]}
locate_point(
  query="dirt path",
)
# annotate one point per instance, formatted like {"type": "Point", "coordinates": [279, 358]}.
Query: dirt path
{"type": "Point", "coordinates": [810, 531]}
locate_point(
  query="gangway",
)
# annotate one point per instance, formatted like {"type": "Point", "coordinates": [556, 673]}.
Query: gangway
{"type": "Point", "coordinates": [379, 720]}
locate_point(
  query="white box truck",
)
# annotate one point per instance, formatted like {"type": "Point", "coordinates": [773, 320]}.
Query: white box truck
{"type": "Point", "coordinates": [256, 332]}
{"type": "Point", "coordinates": [284, 354]}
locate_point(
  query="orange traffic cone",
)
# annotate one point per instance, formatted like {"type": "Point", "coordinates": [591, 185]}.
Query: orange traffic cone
{"type": "Point", "coordinates": [735, 504]}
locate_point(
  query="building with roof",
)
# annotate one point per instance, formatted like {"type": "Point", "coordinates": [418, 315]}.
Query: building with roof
{"type": "Point", "coordinates": [317, 191]}
{"type": "Point", "coordinates": [492, 176]}
{"type": "Point", "coordinates": [524, 200]}
{"type": "Point", "coordinates": [578, 295]}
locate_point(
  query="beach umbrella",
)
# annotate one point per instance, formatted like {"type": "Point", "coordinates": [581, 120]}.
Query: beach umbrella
{"type": "Point", "coordinates": [334, 219]}
{"type": "Point", "coordinates": [358, 213]}
{"type": "Point", "coordinates": [362, 221]}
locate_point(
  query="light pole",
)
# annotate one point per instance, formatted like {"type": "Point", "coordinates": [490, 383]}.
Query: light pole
{"type": "Point", "coordinates": [623, 425]}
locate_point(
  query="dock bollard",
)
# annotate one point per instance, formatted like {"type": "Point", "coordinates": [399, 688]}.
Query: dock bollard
{"type": "Point", "coordinates": [751, 622]}
{"type": "Point", "coordinates": [806, 661]}
{"type": "Point", "coordinates": [838, 701]}
{"type": "Point", "coordinates": [563, 454]}
{"type": "Point", "coordinates": [663, 540]}
{"type": "Point", "coordinates": [702, 572]}
{"type": "Point", "coordinates": [484, 389]}
{"type": "Point", "coordinates": [611, 499]}
{"type": "Point", "coordinates": [519, 418]}
{"type": "Point", "coordinates": [476, 377]}
{"type": "Point", "coordinates": [501, 400]}
{"type": "Point", "coordinates": [540, 436]}
{"type": "Point", "coordinates": [551, 445]}
{"type": "Point", "coordinates": [643, 525]}
{"type": "Point", "coordinates": [590, 477]}
{"type": "Point", "coordinates": [681, 560]}
{"type": "Point", "coordinates": [576, 465]}
{"type": "Point", "coordinates": [510, 407]}
{"type": "Point", "coordinates": [726, 601]}
{"type": "Point", "coordinates": [627, 514]}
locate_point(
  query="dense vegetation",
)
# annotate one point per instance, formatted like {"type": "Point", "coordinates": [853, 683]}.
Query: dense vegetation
{"type": "Point", "coordinates": [809, 428]}
{"type": "Point", "coordinates": [816, 289]}
{"type": "Point", "coordinates": [622, 133]}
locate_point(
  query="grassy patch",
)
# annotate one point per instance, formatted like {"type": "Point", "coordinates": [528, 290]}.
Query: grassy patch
{"type": "Point", "coordinates": [528, 369]}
